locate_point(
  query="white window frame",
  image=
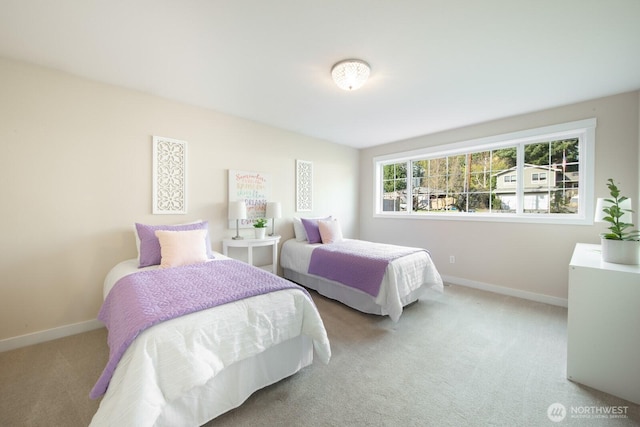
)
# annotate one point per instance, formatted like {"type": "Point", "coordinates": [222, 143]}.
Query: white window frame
{"type": "Point", "coordinates": [584, 130]}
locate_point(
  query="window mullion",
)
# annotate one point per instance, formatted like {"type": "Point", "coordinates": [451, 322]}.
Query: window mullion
{"type": "Point", "coordinates": [520, 179]}
{"type": "Point", "coordinates": [409, 166]}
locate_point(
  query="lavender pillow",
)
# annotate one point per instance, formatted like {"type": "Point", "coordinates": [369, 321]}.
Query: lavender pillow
{"type": "Point", "coordinates": [150, 245]}
{"type": "Point", "coordinates": [311, 227]}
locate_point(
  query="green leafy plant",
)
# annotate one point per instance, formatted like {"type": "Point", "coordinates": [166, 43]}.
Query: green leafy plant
{"type": "Point", "coordinates": [618, 230]}
{"type": "Point", "coordinates": [260, 223]}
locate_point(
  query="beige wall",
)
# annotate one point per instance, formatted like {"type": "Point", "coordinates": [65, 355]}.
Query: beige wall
{"type": "Point", "coordinates": [75, 174]}
{"type": "Point", "coordinates": [526, 258]}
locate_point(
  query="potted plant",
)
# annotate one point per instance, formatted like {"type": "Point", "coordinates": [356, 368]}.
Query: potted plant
{"type": "Point", "coordinates": [260, 225]}
{"type": "Point", "coordinates": [621, 245]}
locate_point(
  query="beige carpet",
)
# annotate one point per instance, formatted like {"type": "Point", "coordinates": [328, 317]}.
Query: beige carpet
{"type": "Point", "coordinates": [464, 358]}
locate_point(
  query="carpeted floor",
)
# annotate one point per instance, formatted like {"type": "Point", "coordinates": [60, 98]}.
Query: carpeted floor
{"type": "Point", "coordinates": [463, 358]}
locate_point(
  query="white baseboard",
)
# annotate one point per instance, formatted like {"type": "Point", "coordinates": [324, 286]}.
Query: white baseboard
{"type": "Point", "coordinates": [547, 299]}
{"type": "Point", "coordinates": [49, 334]}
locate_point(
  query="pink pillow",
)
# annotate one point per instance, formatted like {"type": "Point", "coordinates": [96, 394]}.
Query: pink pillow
{"type": "Point", "coordinates": [182, 247]}
{"type": "Point", "coordinates": [330, 231]}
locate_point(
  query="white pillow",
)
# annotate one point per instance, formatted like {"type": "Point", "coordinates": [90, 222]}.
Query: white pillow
{"type": "Point", "coordinates": [298, 230]}
{"type": "Point", "coordinates": [182, 247]}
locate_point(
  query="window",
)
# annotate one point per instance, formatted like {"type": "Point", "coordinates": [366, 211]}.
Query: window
{"type": "Point", "coordinates": [538, 175]}
{"type": "Point", "coordinates": [394, 183]}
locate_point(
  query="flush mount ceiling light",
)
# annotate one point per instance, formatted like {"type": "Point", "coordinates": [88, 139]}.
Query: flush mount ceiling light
{"type": "Point", "coordinates": [350, 74]}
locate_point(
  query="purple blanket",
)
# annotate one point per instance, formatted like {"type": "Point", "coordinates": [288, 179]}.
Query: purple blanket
{"type": "Point", "coordinates": [143, 299]}
{"type": "Point", "coordinates": [356, 263]}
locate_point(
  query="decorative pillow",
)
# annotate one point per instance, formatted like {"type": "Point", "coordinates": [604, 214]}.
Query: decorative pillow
{"type": "Point", "coordinates": [135, 231]}
{"type": "Point", "coordinates": [298, 230]}
{"type": "Point", "coordinates": [150, 246]}
{"type": "Point", "coordinates": [311, 228]}
{"type": "Point", "coordinates": [182, 247]}
{"type": "Point", "coordinates": [330, 231]}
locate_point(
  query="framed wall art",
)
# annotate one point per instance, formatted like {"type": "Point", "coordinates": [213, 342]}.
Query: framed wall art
{"type": "Point", "coordinates": [304, 186]}
{"type": "Point", "coordinates": [169, 176]}
{"type": "Point", "coordinates": [255, 189]}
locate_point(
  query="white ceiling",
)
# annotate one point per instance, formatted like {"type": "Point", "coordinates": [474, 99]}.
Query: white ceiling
{"type": "Point", "coordinates": [436, 64]}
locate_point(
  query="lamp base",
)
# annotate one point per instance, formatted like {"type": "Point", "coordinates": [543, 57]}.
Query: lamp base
{"type": "Point", "coordinates": [237, 236]}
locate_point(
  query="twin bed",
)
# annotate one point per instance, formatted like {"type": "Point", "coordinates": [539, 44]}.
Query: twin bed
{"type": "Point", "coordinates": [187, 370]}
{"type": "Point", "coordinates": [403, 281]}
{"type": "Point", "coordinates": [176, 360]}
{"type": "Point", "coordinates": [371, 277]}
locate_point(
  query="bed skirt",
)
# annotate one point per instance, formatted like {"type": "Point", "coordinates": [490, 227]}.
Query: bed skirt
{"type": "Point", "coordinates": [351, 297]}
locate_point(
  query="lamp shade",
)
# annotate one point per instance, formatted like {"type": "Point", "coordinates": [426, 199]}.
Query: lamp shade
{"type": "Point", "coordinates": [350, 74]}
{"type": "Point", "coordinates": [602, 203]}
{"type": "Point", "coordinates": [238, 209]}
{"type": "Point", "coordinates": [274, 210]}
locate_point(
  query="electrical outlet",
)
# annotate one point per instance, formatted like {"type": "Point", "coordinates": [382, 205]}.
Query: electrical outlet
{"type": "Point", "coordinates": [452, 259]}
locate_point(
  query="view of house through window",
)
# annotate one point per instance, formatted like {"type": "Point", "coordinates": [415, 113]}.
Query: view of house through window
{"type": "Point", "coordinates": [533, 176]}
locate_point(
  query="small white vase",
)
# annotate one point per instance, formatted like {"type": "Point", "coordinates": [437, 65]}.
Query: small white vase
{"type": "Point", "coordinates": [261, 232]}
{"type": "Point", "coordinates": [621, 251]}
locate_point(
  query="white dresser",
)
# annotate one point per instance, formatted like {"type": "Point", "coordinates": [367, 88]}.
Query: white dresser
{"type": "Point", "coordinates": [603, 332]}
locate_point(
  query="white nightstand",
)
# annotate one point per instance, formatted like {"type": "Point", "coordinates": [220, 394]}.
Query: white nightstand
{"type": "Point", "coordinates": [254, 243]}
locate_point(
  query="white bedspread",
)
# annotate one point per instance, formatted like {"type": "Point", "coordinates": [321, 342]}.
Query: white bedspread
{"type": "Point", "coordinates": [169, 359]}
{"type": "Point", "coordinates": [402, 277]}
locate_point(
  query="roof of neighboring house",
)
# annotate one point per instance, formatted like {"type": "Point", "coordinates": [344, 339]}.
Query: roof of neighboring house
{"type": "Point", "coordinates": [545, 168]}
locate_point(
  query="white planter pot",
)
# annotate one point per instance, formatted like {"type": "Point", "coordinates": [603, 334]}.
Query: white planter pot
{"type": "Point", "coordinates": [621, 251]}
{"type": "Point", "coordinates": [260, 232]}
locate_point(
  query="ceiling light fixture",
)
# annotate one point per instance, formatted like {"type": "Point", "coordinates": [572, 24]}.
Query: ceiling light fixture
{"type": "Point", "coordinates": [350, 74]}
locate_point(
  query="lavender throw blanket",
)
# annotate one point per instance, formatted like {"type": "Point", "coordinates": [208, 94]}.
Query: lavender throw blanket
{"type": "Point", "coordinates": [140, 300]}
{"type": "Point", "coordinates": [356, 263]}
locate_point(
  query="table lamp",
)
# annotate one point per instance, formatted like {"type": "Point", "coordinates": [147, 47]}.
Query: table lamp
{"type": "Point", "coordinates": [237, 211]}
